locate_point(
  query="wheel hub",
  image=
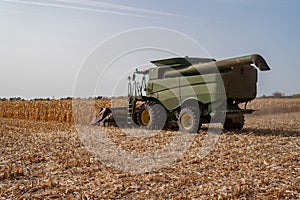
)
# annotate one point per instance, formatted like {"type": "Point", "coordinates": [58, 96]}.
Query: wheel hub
{"type": "Point", "coordinates": [187, 121]}
{"type": "Point", "coordinates": [145, 117]}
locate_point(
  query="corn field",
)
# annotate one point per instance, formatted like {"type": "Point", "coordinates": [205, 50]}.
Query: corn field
{"type": "Point", "coordinates": [42, 157]}
{"type": "Point", "coordinates": [61, 110]}
{"type": "Point", "coordinates": [46, 110]}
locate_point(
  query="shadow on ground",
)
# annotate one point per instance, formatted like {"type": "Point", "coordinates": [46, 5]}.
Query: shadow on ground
{"type": "Point", "coordinates": [268, 132]}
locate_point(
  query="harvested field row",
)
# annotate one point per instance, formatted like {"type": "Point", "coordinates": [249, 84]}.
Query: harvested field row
{"type": "Point", "coordinates": [47, 160]}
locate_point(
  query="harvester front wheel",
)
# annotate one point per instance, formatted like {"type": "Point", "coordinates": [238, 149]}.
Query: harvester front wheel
{"type": "Point", "coordinates": [189, 120]}
{"type": "Point", "coordinates": [152, 116]}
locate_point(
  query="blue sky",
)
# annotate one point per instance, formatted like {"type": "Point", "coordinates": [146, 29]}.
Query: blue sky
{"type": "Point", "coordinates": [44, 43]}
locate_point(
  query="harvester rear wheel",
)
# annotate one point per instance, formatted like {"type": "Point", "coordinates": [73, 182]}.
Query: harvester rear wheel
{"type": "Point", "coordinates": [152, 116]}
{"type": "Point", "coordinates": [189, 120]}
{"type": "Point", "coordinates": [234, 123]}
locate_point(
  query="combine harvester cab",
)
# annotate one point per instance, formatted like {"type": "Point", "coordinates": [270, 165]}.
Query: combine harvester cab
{"type": "Point", "coordinates": [186, 92]}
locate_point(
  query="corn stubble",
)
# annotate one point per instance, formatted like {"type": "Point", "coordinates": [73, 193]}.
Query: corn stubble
{"type": "Point", "coordinates": [41, 157]}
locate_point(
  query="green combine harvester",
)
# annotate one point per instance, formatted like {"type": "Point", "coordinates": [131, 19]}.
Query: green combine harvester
{"type": "Point", "coordinates": [187, 92]}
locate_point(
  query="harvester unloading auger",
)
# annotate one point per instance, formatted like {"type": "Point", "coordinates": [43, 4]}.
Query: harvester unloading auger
{"type": "Point", "coordinates": [188, 92]}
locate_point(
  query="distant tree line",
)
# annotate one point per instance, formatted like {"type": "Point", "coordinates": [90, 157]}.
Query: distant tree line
{"type": "Point", "coordinates": [280, 95]}
{"type": "Point", "coordinates": [274, 95]}
{"type": "Point", "coordinates": [12, 99]}
{"type": "Point", "coordinates": [48, 99]}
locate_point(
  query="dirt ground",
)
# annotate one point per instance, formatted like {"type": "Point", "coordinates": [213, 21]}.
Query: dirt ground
{"type": "Point", "coordinates": [41, 160]}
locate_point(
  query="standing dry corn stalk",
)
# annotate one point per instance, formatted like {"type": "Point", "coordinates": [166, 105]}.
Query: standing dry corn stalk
{"type": "Point", "coordinates": [53, 110]}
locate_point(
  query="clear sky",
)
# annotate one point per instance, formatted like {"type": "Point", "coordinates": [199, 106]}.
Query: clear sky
{"type": "Point", "coordinates": [44, 43]}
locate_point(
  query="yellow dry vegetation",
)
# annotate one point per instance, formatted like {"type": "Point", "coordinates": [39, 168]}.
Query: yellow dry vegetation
{"type": "Point", "coordinates": [273, 106]}
{"type": "Point", "coordinates": [42, 158]}
{"type": "Point", "coordinates": [44, 110]}
{"type": "Point", "coordinates": [61, 110]}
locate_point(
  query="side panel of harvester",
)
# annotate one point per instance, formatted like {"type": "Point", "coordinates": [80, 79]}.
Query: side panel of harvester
{"type": "Point", "coordinates": [173, 92]}
{"type": "Point", "coordinates": [240, 83]}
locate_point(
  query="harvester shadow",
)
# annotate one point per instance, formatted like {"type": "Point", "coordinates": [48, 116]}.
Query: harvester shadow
{"type": "Point", "coordinates": [269, 132]}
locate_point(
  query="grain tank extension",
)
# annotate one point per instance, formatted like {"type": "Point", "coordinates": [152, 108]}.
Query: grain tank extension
{"type": "Point", "coordinates": [186, 92]}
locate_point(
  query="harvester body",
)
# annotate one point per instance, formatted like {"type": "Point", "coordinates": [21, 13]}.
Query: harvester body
{"type": "Point", "coordinates": [190, 91]}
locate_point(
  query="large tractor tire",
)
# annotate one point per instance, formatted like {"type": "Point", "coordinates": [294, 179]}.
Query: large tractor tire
{"type": "Point", "coordinates": [189, 119]}
{"type": "Point", "coordinates": [234, 123]}
{"type": "Point", "coordinates": [152, 116]}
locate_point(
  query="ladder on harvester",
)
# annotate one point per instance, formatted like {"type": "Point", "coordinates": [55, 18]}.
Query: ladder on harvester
{"type": "Point", "coordinates": [129, 111]}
